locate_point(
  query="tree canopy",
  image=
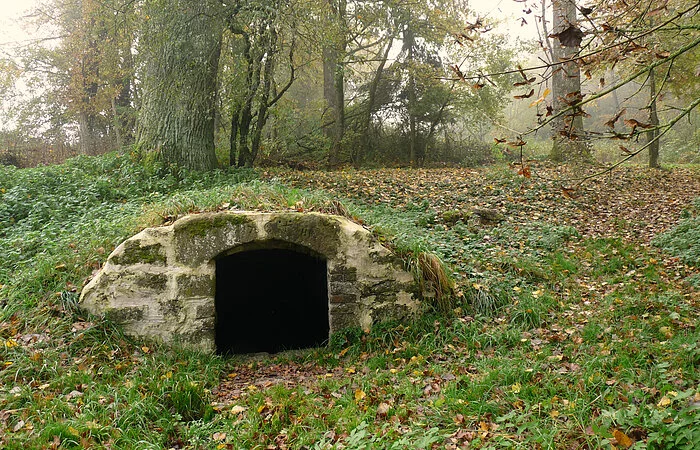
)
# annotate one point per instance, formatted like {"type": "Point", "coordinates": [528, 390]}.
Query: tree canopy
{"type": "Point", "coordinates": [334, 82]}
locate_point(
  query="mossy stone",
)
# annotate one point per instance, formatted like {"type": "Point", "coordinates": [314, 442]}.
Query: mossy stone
{"type": "Point", "coordinates": [153, 281]}
{"type": "Point", "coordinates": [189, 286]}
{"type": "Point", "coordinates": [387, 259]}
{"type": "Point", "coordinates": [319, 233]}
{"type": "Point", "coordinates": [200, 238]}
{"type": "Point", "coordinates": [203, 338]}
{"type": "Point", "coordinates": [135, 253]}
{"type": "Point", "coordinates": [201, 225]}
{"type": "Point", "coordinates": [390, 312]}
{"type": "Point", "coordinates": [170, 308]}
{"type": "Point", "coordinates": [126, 314]}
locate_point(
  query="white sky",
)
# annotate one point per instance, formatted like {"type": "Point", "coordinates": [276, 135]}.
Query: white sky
{"type": "Point", "coordinates": [10, 12]}
{"type": "Point", "coordinates": [507, 10]}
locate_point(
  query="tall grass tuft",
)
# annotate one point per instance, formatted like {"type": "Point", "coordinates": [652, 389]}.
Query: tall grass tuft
{"type": "Point", "coordinates": [434, 281]}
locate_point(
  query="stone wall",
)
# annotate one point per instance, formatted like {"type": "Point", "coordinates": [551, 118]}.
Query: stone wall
{"type": "Point", "coordinates": [161, 282]}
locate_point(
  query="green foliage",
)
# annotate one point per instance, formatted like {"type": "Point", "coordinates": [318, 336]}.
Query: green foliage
{"type": "Point", "coordinates": [344, 338]}
{"type": "Point", "coordinates": [683, 240]}
{"type": "Point", "coordinates": [672, 423]}
{"type": "Point", "coordinates": [188, 399]}
{"type": "Point", "coordinates": [71, 214]}
{"type": "Point", "coordinates": [532, 311]}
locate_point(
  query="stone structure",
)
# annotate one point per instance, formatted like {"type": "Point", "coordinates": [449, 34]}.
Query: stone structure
{"type": "Point", "coordinates": [162, 283]}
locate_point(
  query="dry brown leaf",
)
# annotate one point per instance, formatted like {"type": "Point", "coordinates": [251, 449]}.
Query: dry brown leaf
{"type": "Point", "coordinates": [383, 409]}
{"type": "Point", "coordinates": [523, 96]}
{"type": "Point", "coordinates": [622, 439]}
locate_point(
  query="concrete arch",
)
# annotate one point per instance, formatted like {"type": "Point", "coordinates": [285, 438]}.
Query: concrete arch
{"type": "Point", "coordinates": [161, 283]}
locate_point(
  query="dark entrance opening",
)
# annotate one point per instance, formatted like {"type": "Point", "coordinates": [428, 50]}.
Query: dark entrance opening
{"type": "Point", "coordinates": [271, 299]}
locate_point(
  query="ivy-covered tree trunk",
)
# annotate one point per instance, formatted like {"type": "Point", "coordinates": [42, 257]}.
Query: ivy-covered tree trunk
{"type": "Point", "coordinates": [567, 129]}
{"type": "Point", "coordinates": [180, 49]}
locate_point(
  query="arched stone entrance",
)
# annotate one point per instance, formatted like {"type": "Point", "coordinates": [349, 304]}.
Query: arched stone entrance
{"type": "Point", "coordinates": [163, 282]}
{"type": "Point", "coordinates": [271, 296]}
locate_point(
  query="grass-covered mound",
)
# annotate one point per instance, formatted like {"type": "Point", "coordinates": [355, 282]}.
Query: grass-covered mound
{"type": "Point", "coordinates": [567, 335]}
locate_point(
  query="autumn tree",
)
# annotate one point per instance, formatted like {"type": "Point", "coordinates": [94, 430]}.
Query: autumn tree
{"type": "Point", "coordinates": [436, 41]}
{"type": "Point", "coordinates": [83, 77]}
{"type": "Point", "coordinates": [655, 45]}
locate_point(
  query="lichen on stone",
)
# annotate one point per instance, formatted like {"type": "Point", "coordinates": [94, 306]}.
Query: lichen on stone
{"type": "Point", "coordinates": [319, 233]}
{"type": "Point", "coordinates": [202, 224]}
{"type": "Point", "coordinates": [125, 314]}
{"type": "Point", "coordinates": [192, 286]}
{"type": "Point", "coordinates": [133, 253]}
{"type": "Point", "coordinates": [153, 281]}
{"type": "Point", "coordinates": [201, 237]}
{"type": "Point", "coordinates": [170, 308]}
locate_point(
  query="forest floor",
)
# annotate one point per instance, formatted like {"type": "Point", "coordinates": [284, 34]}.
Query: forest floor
{"type": "Point", "coordinates": [631, 203]}
{"type": "Point", "coordinates": [574, 323]}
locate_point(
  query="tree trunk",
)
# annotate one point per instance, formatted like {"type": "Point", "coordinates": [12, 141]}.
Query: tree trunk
{"type": "Point", "coordinates": [339, 133]}
{"type": "Point", "coordinates": [117, 126]}
{"type": "Point", "coordinates": [87, 117]}
{"type": "Point", "coordinates": [233, 138]}
{"type": "Point", "coordinates": [245, 155]}
{"type": "Point", "coordinates": [412, 96]}
{"type": "Point", "coordinates": [567, 129]}
{"type": "Point", "coordinates": [264, 99]}
{"type": "Point", "coordinates": [334, 81]}
{"type": "Point", "coordinates": [330, 58]}
{"type": "Point", "coordinates": [652, 135]}
{"type": "Point", "coordinates": [86, 133]}
{"type": "Point", "coordinates": [123, 105]}
{"type": "Point", "coordinates": [180, 49]}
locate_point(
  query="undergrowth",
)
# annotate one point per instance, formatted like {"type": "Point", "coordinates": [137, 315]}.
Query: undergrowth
{"type": "Point", "coordinates": [683, 241]}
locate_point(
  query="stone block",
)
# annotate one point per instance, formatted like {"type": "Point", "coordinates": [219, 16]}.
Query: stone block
{"type": "Point", "coordinates": [343, 298]}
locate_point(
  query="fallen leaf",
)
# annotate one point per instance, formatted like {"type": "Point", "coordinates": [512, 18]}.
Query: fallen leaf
{"type": "Point", "coordinates": [622, 439]}
{"type": "Point", "coordinates": [18, 426]}
{"type": "Point", "coordinates": [542, 98]}
{"type": "Point", "coordinates": [664, 402]}
{"type": "Point", "coordinates": [238, 409]}
{"type": "Point", "coordinates": [219, 436]}
{"type": "Point", "coordinates": [525, 171]}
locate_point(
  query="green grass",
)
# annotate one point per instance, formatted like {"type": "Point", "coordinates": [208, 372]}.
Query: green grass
{"type": "Point", "coordinates": [555, 342]}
